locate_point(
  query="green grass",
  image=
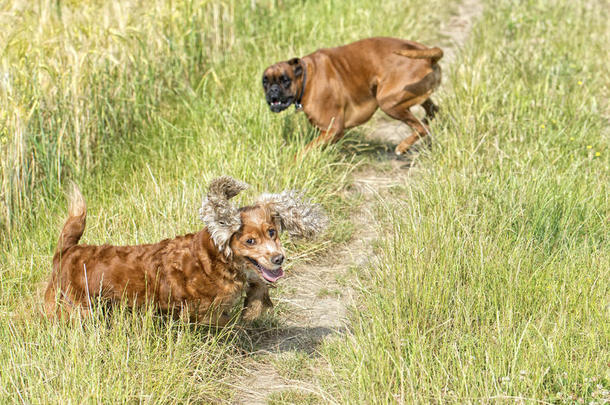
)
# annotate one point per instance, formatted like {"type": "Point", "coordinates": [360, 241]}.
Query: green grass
{"type": "Point", "coordinates": [122, 357]}
{"type": "Point", "coordinates": [80, 77]}
{"type": "Point", "coordinates": [494, 283]}
{"type": "Point", "coordinates": [143, 104]}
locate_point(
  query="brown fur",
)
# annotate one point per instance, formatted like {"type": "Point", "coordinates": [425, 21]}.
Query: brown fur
{"type": "Point", "coordinates": [188, 276]}
{"type": "Point", "coordinates": [342, 87]}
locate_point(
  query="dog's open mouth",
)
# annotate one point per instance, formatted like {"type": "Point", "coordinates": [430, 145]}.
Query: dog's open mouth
{"type": "Point", "coordinates": [278, 105]}
{"type": "Point", "coordinates": [269, 275]}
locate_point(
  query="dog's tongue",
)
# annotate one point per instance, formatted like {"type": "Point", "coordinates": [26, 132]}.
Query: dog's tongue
{"type": "Point", "coordinates": [272, 275]}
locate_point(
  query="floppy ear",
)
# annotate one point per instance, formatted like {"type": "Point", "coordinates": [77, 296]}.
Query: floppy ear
{"type": "Point", "coordinates": [297, 69]}
{"type": "Point", "coordinates": [221, 218]}
{"type": "Point", "coordinates": [294, 214]}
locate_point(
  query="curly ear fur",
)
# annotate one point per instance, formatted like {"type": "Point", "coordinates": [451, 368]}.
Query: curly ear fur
{"type": "Point", "coordinates": [295, 215]}
{"type": "Point", "coordinates": [220, 216]}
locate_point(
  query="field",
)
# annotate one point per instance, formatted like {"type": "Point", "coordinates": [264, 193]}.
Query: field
{"type": "Point", "coordinates": [486, 281]}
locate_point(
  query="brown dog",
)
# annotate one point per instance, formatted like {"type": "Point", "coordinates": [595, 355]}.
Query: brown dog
{"type": "Point", "coordinates": [340, 88]}
{"type": "Point", "coordinates": [199, 276]}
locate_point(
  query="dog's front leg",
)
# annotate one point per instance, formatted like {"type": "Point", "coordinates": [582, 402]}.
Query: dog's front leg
{"type": "Point", "coordinates": [205, 313]}
{"type": "Point", "coordinates": [257, 301]}
{"type": "Point", "coordinates": [330, 134]}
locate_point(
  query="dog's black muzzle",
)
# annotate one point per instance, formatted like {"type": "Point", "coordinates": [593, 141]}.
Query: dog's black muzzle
{"type": "Point", "coordinates": [277, 100]}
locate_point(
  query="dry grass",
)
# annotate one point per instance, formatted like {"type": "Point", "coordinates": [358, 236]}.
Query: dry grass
{"type": "Point", "coordinates": [79, 77]}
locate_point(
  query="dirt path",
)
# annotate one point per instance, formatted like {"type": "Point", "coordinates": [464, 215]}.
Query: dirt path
{"type": "Point", "coordinates": [314, 301]}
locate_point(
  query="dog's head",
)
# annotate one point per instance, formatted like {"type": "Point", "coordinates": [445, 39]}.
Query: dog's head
{"type": "Point", "coordinates": [249, 236]}
{"type": "Point", "coordinates": [282, 83]}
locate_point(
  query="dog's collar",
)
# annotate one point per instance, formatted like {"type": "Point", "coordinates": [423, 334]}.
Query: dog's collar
{"type": "Point", "coordinates": [297, 102]}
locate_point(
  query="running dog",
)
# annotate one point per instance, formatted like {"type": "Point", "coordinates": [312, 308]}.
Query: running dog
{"type": "Point", "coordinates": [341, 88]}
{"type": "Point", "coordinates": [199, 276]}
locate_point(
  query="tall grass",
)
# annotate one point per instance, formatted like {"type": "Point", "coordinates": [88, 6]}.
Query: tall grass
{"type": "Point", "coordinates": [79, 77]}
{"type": "Point", "coordinates": [143, 103]}
{"type": "Point", "coordinates": [120, 357]}
{"type": "Point", "coordinates": [494, 283]}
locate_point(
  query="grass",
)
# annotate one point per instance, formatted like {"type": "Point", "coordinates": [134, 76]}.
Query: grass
{"type": "Point", "coordinates": [142, 106]}
{"type": "Point", "coordinates": [493, 285]}
{"type": "Point", "coordinates": [80, 77]}
{"type": "Point", "coordinates": [131, 357]}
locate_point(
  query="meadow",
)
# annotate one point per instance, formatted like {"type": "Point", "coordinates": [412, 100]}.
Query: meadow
{"type": "Point", "coordinates": [492, 278]}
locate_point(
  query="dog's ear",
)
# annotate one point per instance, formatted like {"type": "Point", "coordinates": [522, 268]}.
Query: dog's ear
{"type": "Point", "coordinates": [220, 216]}
{"type": "Point", "coordinates": [294, 214]}
{"type": "Point", "coordinates": [297, 69]}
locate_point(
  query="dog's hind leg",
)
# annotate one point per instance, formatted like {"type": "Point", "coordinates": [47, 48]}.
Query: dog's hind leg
{"type": "Point", "coordinates": [431, 110]}
{"type": "Point", "coordinates": [403, 113]}
{"type": "Point", "coordinates": [420, 130]}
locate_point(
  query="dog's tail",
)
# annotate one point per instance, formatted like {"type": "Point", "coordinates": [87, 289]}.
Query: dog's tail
{"type": "Point", "coordinates": [75, 224]}
{"type": "Point", "coordinates": [431, 53]}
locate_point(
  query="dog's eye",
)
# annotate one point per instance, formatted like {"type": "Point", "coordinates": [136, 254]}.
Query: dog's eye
{"type": "Point", "coordinates": [285, 80]}
{"type": "Point", "coordinates": [250, 241]}
{"type": "Point", "coordinates": [271, 233]}
{"type": "Point", "coordinates": [265, 81]}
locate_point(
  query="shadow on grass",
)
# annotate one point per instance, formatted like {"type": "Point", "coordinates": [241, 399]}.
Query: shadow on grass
{"type": "Point", "coordinates": [281, 339]}
{"type": "Point", "coordinates": [379, 151]}
{"type": "Point", "coordinates": [267, 334]}
{"type": "Point", "coordinates": [356, 143]}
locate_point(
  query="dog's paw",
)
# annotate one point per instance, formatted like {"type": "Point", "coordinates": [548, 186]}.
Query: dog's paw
{"type": "Point", "coordinates": [252, 312]}
{"type": "Point", "coordinates": [399, 151]}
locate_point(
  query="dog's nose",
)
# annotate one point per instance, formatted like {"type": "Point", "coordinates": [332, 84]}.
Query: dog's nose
{"type": "Point", "coordinates": [277, 259]}
{"type": "Point", "coordinates": [274, 90]}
